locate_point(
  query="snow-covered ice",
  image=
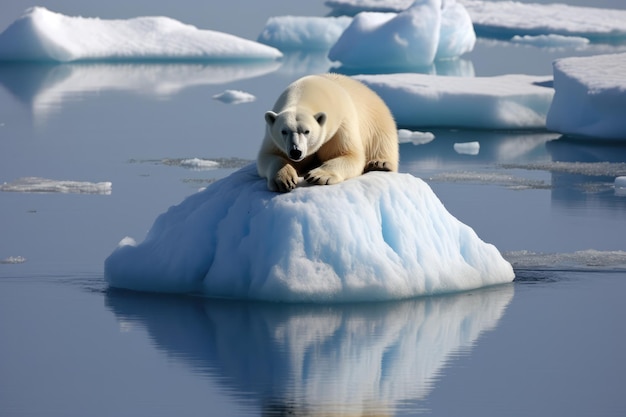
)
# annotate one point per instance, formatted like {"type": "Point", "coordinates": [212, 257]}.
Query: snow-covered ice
{"type": "Point", "coordinates": [303, 32]}
{"type": "Point", "coordinates": [379, 236]}
{"type": "Point", "coordinates": [590, 97]}
{"type": "Point", "coordinates": [44, 185]}
{"type": "Point", "coordinates": [413, 38]}
{"type": "Point", "coordinates": [501, 102]}
{"type": "Point", "coordinates": [467, 148]}
{"type": "Point", "coordinates": [234, 97]}
{"type": "Point", "coordinates": [505, 19]}
{"type": "Point", "coordinates": [43, 35]}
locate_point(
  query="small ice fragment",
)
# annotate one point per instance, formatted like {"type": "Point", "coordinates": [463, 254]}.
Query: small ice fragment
{"type": "Point", "coordinates": [199, 164]}
{"type": "Point", "coordinates": [415, 137]}
{"type": "Point", "coordinates": [234, 97]}
{"type": "Point", "coordinates": [13, 260]}
{"type": "Point", "coordinates": [467, 148]}
{"type": "Point", "coordinates": [127, 241]}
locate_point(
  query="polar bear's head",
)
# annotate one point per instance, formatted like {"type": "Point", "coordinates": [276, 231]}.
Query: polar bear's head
{"type": "Point", "coordinates": [298, 134]}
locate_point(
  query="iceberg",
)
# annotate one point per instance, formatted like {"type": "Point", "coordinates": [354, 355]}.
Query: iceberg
{"type": "Point", "coordinates": [43, 35]}
{"type": "Point", "coordinates": [500, 102]}
{"type": "Point", "coordinates": [590, 97]}
{"type": "Point", "coordinates": [303, 32]}
{"type": "Point", "coordinates": [380, 236]}
{"type": "Point", "coordinates": [413, 38]}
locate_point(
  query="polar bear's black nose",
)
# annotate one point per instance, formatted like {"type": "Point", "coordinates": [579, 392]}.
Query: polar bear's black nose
{"type": "Point", "coordinates": [295, 154]}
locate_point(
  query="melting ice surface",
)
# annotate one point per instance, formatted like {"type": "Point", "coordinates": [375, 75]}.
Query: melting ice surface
{"type": "Point", "coordinates": [590, 96]}
{"type": "Point", "coordinates": [380, 236]}
{"type": "Point", "coordinates": [43, 35]}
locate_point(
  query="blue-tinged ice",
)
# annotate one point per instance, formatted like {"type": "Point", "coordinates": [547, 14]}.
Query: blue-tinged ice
{"type": "Point", "coordinates": [380, 236]}
{"type": "Point", "coordinates": [43, 35]}
{"type": "Point", "coordinates": [414, 38]}
{"type": "Point", "coordinates": [590, 97]}
{"type": "Point", "coordinates": [308, 33]}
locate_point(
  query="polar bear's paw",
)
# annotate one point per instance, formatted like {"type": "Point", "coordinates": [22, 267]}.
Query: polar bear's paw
{"type": "Point", "coordinates": [286, 179]}
{"type": "Point", "coordinates": [320, 176]}
{"type": "Point", "coordinates": [377, 166]}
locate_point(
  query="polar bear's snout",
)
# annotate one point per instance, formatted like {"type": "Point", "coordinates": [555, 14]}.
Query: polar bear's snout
{"type": "Point", "coordinates": [297, 147]}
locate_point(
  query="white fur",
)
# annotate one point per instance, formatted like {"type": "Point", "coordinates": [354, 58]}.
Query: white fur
{"type": "Point", "coordinates": [327, 128]}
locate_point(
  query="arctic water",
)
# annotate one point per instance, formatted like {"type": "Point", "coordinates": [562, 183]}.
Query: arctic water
{"type": "Point", "coordinates": [551, 343]}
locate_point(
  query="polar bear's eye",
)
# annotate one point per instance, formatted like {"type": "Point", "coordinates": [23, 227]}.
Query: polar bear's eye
{"type": "Point", "coordinates": [284, 132]}
{"type": "Point", "coordinates": [306, 132]}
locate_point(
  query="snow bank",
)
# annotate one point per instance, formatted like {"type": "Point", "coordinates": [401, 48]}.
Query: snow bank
{"type": "Point", "coordinates": [44, 185]}
{"type": "Point", "coordinates": [502, 102]}
{"type": "Point", "coordinates": [300, 32]}
{"type": "Point", "coordinates": [413, 38]}
{"type": "Point", "coordinates": [379, 236]}
{"type": "Point", "coordinates": [42, 35]}
{"type": "Point", "coordinates": [504, 19]}
{"type": "Point", "coordinates": [590, 97]}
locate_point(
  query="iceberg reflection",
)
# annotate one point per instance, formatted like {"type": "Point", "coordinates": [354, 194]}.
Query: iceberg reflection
{"type": "Point", "coordinates": [317, 359]}
{"type": "Point", "coordinates": [45, 87]}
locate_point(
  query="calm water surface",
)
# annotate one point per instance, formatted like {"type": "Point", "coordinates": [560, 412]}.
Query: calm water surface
{"type": "Point", "coordinates": [549, 344]}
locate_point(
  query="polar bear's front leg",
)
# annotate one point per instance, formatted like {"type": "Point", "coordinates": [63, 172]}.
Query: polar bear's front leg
{"type": "Point", "coordinates": [336, 170]}
{"type": "Point", "coordinates": [285, 179]}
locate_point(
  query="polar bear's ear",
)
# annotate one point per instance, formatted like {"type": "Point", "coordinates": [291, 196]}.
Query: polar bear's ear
{"type": "Point", "coordinates": [321, 118]}
{"type": "Point", "coordinates": [270, 117]}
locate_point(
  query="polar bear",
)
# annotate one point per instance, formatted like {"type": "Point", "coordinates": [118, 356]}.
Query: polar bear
{"type": "Point", "coordinates": [327, 128]}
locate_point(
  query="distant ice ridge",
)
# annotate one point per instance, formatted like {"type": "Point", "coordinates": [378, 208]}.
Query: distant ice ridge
{"type": "Point", "coordinates": [502, 102]}
{"type": "Point", "coordinates": [414, 38]}
{"type": "Point", "coordinates": [380, 236]}
{"type": "Point", "coordinates": [505, 19]}
{"type": "Point", "coordinates": [43, 35]}
{"type": "Point", "coordinates": [44, 185]}
{"type": "Point", "coordinates": [590, 97]}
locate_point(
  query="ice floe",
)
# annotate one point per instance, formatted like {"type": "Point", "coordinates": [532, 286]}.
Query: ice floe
{"type": "Point", "coordinates": [411, 39]}
{"type": "Point", "coordinates": [590, 97]}
{"type": "Point", "coordinates": [467, 148]}
{"type": "Point", "coordinates": [13, 260]}
{"type": "Point", "coordinates": [44, 185]}
{"type": "Point", "coordinates": [303, 32]}
{"type": "Point", "coordinates": [415, 137]}
{"type": "Point", "coordinates": [362, 240]}
{"type": "Point", "coordinates": [505, 19]}
{"type": "Point", "coordinates": [234, 97]}
{"type": "Point", "coordinates": [501, 102]}
{"type": "Point", "coordinates": [551, 41]}
{"type": "Point", "coordinates": [43, 35]}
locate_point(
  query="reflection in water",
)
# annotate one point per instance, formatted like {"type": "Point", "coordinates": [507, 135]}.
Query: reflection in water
{"type": "Point", "coordinates": [360, 359]}
{"type": "Point", "coordinates": [45, 87]}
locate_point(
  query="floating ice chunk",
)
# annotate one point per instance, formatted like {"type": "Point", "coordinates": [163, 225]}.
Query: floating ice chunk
{"type": "Point", "coordinates": [13, 260]}
{"type": "Point", "coordinates": [467, 148]}
{"type": "Point", "coordinates": [504, 19]}
{"type": "Point", "coordinates": [234, 97]}
{"type": "Point", "coordinates": [303, 33]}
{"type": "Point", "coordinates": [551, 41]}
{"type": "Point", "coordinates": [620, 186]}
{"type": "Point", "coordinates": [502, 102]}
{"type": "Point", "coordinates": [42, 35]}
{"type": "Point", "coordinates": [44, 185]}
{"type": "Point", "coordinates": [199, 164]}
{"type": "Point", "coordinates": [379, 236]}
{"type": "Point", "coordinates": [590, 97]}
{"type": "Point", "coordinates": [415, 137]}
{"type": "Point", "coordinates": [413, 38]}
{"type": "Point", "coordinates": [127, 241]}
